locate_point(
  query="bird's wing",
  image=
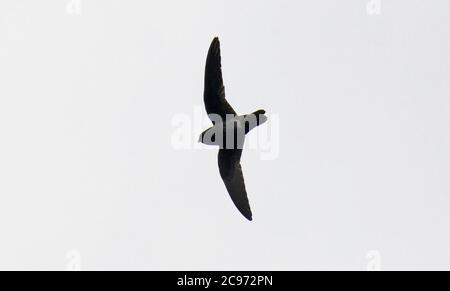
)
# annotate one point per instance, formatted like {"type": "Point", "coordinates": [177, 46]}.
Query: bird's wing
{"type": "Point", "coordinates": [231, 173]}
{"type": "Point", "coordinates": [214, 95]}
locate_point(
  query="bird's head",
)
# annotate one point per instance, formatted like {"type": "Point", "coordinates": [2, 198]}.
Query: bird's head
{"type": "Point", "coordinates": [208, 137]}
{"type": "Point", "coordinates": [200, 138]}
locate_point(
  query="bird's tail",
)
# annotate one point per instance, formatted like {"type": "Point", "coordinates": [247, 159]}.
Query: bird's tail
{"type": "Point", "coordinates": [255, 119]}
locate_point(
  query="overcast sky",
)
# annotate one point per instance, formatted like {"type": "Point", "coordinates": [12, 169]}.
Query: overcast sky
{"type": "Point", "coordinates": [87, 100]}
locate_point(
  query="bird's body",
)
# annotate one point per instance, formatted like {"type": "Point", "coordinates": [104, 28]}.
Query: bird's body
{"type": "Point", "coordinates": [230, 133]}
{"type": "Point", "coordinates": [228, 130]}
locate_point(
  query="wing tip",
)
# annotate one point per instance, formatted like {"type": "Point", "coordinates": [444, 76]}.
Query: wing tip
{"type": "Point", "coordinates": [214, 52]}
{"type": "Point", "coordinates": [215, 42]}
{"type": "Point", "coordinates": [248, 216]}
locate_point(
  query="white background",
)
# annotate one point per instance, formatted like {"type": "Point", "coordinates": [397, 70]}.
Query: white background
{"type": "Point", "coordinates": [86, 162]}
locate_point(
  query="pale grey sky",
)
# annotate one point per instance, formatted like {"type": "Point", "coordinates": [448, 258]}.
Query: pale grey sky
{"type": "Point", "coordinates": [86, 161]}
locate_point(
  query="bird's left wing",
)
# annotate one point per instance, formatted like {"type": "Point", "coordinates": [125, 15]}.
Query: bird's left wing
{"type": "Point", "coordinates": [231, 173]}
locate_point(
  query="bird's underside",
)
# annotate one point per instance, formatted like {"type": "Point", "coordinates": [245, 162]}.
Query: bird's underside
{"type": "Point", "coordinates": [215, 104]}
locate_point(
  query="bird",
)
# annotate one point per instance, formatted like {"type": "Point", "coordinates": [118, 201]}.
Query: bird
{"type": "Point", "coordinates": [228, 130]}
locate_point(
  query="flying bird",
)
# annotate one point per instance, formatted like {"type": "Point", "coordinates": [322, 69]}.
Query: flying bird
{"type": "Point", "coordinates": [228, 130]}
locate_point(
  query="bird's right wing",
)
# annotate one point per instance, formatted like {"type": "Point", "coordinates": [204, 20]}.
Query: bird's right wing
{"type": "Point", "coordinates": [214, 94]}
{"type": "Point", "coordinates": [231, 173]}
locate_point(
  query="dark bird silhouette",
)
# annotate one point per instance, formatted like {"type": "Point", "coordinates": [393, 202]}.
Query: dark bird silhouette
{"type": "Point", "coordinates": [228, 131]}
